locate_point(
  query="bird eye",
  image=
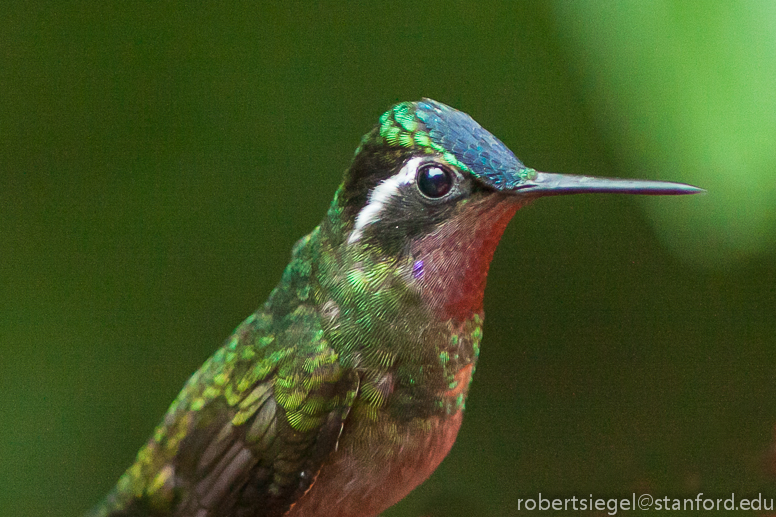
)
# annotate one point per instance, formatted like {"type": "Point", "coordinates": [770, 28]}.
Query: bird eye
{"type": "Point", "coordinates": [434, 181]}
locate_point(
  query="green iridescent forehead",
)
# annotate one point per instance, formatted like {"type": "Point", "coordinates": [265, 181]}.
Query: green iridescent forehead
{"type": "Point", "coordinates": [436, 127]}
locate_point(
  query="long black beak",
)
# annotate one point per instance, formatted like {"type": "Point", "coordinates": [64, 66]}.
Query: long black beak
{"type": "Point", "coordinates": [548, 184]}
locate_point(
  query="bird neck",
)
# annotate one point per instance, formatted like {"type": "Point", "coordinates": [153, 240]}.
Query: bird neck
{"type": "Point", "coordinates": [409, 322]}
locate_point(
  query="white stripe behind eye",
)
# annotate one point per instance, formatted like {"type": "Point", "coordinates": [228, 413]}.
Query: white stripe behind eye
{"type": "Point", "coordinates": [380, 196]}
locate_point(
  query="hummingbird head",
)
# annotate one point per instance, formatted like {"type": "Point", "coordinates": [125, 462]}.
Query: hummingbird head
{"type": "Point", "coordinates": [431, 191]}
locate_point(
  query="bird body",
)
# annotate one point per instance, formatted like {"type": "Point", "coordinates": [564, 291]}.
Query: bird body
{"type": "Point", "coordinates": [346, 389]}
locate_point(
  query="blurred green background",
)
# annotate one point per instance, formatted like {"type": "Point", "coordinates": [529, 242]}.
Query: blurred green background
{"type": "Point", "coordinates": [159, 159]}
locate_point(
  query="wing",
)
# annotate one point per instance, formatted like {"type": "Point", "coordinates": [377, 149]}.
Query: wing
{"type": "Point", "coordinates": [250, 430]}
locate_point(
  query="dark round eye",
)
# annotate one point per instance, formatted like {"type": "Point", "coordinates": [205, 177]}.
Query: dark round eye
{"type": "Point", "coordinates": [434, 181]}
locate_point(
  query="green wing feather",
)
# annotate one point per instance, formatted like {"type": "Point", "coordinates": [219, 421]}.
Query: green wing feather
{"type": "Point", "coordinates": [249, 431]}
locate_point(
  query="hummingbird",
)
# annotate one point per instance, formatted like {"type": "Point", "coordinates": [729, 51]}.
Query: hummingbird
{"type": "Point", "coordinates": [347, 388]}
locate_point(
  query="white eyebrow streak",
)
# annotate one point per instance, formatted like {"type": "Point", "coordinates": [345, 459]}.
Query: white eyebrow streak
{"type": "Point", "coordinates": [380, 196]}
